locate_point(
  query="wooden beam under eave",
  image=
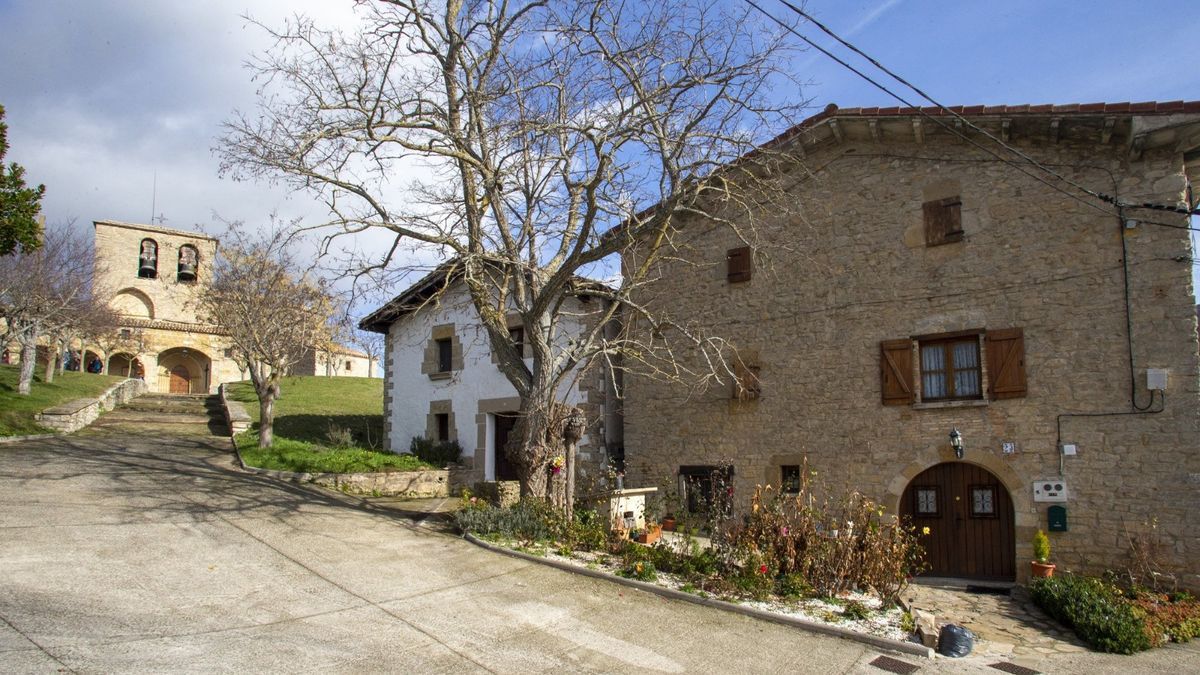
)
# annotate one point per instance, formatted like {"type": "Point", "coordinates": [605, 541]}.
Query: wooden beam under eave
{"type": "Point", "coordinates": [874, 125]}
{"type": "Point", "coordinates": [1107, 132]}
{"type": "Point", "coordinates": [1005, 130]}
{"type": "Point", "coordinates": [1055, 126]}
{"type": "Point", "coordinates": [837, 131]}
{"type": "Point", "coordinates": [918, 130]}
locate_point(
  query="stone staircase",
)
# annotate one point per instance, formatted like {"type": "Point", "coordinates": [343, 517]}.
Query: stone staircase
{"type": "Point", "coordinates": [176, 414]}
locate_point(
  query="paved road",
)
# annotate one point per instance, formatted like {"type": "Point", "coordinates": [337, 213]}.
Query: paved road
{"type": "Point", "coordinates": [153, 553]}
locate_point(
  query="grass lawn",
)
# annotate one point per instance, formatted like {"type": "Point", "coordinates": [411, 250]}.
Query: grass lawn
{"type": "Point", "coordinates": [16, 412]}
{"type": "Point", "coordinates": [323, 424]}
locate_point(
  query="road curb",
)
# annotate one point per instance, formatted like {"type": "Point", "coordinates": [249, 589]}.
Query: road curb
{"type": "Point", "coordinates": [909, 648]}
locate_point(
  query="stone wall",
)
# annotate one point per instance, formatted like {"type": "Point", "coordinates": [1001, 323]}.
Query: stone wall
{"type": "Point", "coordinates": [75, 415]}
{"type": "Point", "coordinates": [843, 266]}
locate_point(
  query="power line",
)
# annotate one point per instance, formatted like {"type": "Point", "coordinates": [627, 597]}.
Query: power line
{"type": "Point", "coordinates": [1097, 195]}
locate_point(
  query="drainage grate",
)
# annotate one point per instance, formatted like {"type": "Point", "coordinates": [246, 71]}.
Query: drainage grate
{"type": "Point", "coordinates": [894, 665]}
{"type": "Point", "coordinates": [1014, 669]}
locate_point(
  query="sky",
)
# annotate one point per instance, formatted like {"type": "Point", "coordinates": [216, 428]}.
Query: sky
{"type": "Point", "coordinates": [115, 106]}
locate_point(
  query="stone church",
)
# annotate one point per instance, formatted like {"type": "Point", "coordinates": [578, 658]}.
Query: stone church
{"type": "Point", "coordinates": [154, 276]}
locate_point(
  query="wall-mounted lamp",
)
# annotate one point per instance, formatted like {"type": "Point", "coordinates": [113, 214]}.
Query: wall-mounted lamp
{"type": "Point", "coordinates": [956, 443]}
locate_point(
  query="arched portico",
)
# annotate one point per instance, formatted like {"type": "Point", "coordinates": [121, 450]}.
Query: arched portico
{"type": "Point", "coordinates": [124, 364]}
{"type": "Point", "coordinates": [184, 370]}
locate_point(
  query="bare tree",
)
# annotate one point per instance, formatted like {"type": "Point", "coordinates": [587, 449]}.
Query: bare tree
{"type": "Point", "coordinates": [371, 344]}
{"type": "Point", "coordinates": [42, 292]}
{"type": "Point", "coordinates": [272, 313]}
{"type": "Point", "coordinates": [546, 128]}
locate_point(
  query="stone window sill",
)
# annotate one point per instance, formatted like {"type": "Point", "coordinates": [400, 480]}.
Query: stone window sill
{"type": "Point", "coordinates": [441, 375]}
{"type": "Point", "coordinates": [939, 405]}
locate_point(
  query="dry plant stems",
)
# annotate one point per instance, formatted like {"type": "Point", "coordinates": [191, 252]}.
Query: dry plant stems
{"type": "Point", "coordinates": [1146, 567]}
{"type": "Point", "coordinates": [541, 132]}
{"type": "Point", "coordinates": [835, 543]}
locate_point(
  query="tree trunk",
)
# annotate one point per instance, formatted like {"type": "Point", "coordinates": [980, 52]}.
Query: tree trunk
{"type": "Point", "coordinates": [266, 413]}
{"type": "Point", "coordinates": [570, 489]}
{"type": "Point", "coordinates": [51, 366]}
{"type": "Point", "coordinates": [28, 360]}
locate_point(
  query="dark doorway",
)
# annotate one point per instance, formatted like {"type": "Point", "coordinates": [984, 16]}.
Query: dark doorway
{"type": "Point", "coordinates": [505, 469]}
{"type": "Point", "coordinates": [969, 514]}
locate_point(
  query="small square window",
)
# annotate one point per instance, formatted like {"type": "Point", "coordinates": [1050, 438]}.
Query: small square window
{"type": "Point", "coordinates": [747, 386]}
{"type": "Point", "coordinates": [925, 501]}
{"type": "Point", "coordinates": [516, 335]}
{"type": "Point", "coordinates": [348, 365]}
{"type": "Point", "coordinates": [983, 501]}
{"type": "Point", "coordinates": [943, 221]}
{"type": "Point", "coordinates": [950, 369]}
{"type": "Point", "coordinates": [445, 355]}
{"type": "Point", "coordinates": [738, 264]}
{"type": "Point", "coordinates": [790, 479]}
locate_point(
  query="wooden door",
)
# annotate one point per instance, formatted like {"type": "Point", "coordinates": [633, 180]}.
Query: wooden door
{"type": "Point", "coordinates": [969, 514]}
{"type": "Point", "coordinates": [181, 381]}
{"type": "Point", "coordinates": [505, 470]}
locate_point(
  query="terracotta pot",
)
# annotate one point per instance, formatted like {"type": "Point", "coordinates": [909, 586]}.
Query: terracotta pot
{"type": "Point", "coordinates": [1039, 570]}
{"type": "Point", "coordinates": [650, 535]}
{"type": "Point", "coordinates": [668, 523]}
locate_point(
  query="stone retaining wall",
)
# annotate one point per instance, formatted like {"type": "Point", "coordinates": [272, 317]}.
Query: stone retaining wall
{"type": "Point", "coordinates": [75, 415]}
{"type": "Point", "coordinates": [236, 417]}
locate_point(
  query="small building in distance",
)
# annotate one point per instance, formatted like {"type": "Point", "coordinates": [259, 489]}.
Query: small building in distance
{"type": "Point", "coordinates": [336, 361]}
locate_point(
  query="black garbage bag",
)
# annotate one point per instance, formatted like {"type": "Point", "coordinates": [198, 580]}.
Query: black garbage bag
{"type": "Point", "coordinates": [955, 641]}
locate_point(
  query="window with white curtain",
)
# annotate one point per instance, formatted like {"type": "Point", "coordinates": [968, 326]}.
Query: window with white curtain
{"type": "Point", "coordinates": [950, 369]}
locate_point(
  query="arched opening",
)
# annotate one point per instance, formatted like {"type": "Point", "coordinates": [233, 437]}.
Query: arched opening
{"type": "Point", "coordinates": [93, 362]}
{"type": "Point", "coordinates": [133, 303]}
{"type": "Point", "coordinates": [148, 259]}
{"type": "Point", "coordinates": [182, 370]}
{"type": "Point", "coordinates": [189, 264]}
{"type": "Point", "coordinates": [126, 365]}
{"type": "Point", "coordinates": [969, 515]}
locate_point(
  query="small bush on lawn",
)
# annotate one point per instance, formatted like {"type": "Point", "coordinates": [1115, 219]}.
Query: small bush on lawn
{"type": "Point", "coordinates": [437, 453]}
{"type": "Point", "coordinates": [1096, 610]}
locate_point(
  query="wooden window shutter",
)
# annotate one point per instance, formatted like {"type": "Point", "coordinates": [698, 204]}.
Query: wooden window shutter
{"type": "Point", "coordinates": [738, 264]}
{"type": "Point", "coordinates": [895, 364]}
{"type": "Point", "coordinates": [943, 221]}
{"type": "Point", "coordinates": [1005, 363]}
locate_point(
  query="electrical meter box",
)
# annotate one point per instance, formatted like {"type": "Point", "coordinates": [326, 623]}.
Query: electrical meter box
{"type": "Point", "coordinates": [1050, 490]}
{"type": "Point", "coordinates": [1056, 518]}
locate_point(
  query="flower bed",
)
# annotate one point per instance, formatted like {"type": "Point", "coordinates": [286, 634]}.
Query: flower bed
{"type": "Point", "coordinates": [1114, 619]}
{"type": "Point", "coordinates": [837, 561]}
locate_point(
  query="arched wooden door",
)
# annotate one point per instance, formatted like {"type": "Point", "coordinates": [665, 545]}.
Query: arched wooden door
{"type": "Point", "coordinates": [969, 514]}
{"type": "Point", "coordinates": [181, 380]}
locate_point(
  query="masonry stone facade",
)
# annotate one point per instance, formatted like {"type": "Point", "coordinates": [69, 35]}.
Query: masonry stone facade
{"type": "Point", "coordinates": [153, 276]}
{"type": "Point", "coordinates": [916, 285]}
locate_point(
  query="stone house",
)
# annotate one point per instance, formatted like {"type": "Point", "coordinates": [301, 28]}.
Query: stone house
{"type": "Point", "coordinates": [441, 381]}
{"type": "Point", "coordinates": [921, 287]}
{"type": "Point", "coordinates": [335, 361]}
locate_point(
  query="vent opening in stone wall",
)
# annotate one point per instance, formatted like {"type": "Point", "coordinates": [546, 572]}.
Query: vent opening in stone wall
{"type": "Point", "coordinates": [445, 355]}
{"type": "Point", "coordinates": [442, 423]}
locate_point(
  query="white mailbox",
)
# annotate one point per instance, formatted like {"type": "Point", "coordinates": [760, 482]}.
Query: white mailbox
{"type": "Point", "coordinates": [1050, 490]}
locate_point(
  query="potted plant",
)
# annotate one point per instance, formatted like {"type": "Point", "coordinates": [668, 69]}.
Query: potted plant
{"type": "Point", "coordinates": [1041, 567]}
{"type": "Point", "coordinates": [649, 535]}
{"type": "Point", "coordinates": [668, 523]}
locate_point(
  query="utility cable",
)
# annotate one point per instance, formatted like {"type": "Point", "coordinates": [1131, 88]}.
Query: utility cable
{"type": "Point", "coordinates": [1098, 195]}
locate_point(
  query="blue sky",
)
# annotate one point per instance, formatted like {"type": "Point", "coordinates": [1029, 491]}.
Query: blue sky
{"type": "Point", "coordinates": [103, 97]}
